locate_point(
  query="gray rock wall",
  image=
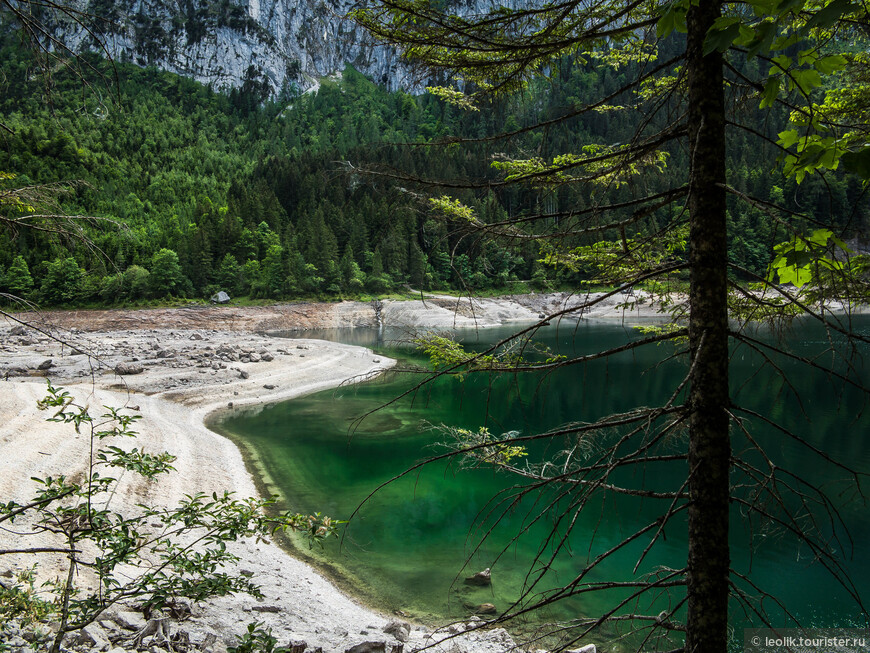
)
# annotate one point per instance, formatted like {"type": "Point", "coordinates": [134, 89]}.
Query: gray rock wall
{"type": "Point", "coordinates": [224, 43]}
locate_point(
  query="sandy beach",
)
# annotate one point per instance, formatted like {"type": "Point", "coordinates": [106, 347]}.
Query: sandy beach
{"type": "Point", "coordinates": [189, 363]}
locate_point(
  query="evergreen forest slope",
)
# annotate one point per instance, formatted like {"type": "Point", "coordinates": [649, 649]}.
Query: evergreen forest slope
{"type": "Point", "coordinates": [201, 191]}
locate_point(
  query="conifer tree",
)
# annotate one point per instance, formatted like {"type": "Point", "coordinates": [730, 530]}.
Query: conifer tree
{"type": "Point", "coordinates": [18, 279]}
{"type": "Point", "coordinates": [688, 102]}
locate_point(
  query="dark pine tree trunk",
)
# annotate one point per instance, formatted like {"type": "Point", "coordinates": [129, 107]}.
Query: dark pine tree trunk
{"type": "Point", "coordinates": [709, 444]}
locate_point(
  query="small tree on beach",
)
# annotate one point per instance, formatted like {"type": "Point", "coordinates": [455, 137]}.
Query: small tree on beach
{"type": "Point", "coordinates": [154, 554]}
{"type": "Point", "coordinates": [674, 243]}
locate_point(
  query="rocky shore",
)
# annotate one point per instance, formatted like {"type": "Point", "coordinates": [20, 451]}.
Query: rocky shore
{"type": "Point", "coordinates": [176, 367]}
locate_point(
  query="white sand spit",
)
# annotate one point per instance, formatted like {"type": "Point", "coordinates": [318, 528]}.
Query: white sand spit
{"type": "Point", "coordinates": [186, 375]}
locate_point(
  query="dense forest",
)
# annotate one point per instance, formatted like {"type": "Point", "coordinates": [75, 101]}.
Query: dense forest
{"type": "Point", "coordinates": [197, 191]}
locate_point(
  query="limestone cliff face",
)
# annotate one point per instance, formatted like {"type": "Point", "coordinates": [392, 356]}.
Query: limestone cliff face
{"type": "Point", "coordinates": [266, 44]}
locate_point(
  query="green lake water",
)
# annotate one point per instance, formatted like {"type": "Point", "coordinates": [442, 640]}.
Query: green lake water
{"type": "Point", "coordinates": [407, 545]}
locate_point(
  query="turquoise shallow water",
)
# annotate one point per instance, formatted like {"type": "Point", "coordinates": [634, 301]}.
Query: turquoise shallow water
{"type": "Point", "coordinates": [409, 542]}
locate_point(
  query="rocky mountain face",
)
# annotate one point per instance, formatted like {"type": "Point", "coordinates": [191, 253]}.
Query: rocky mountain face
{"type": "Point", "coordinates": [260, 45]}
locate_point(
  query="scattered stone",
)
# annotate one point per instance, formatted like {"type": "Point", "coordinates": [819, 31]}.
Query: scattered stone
{"type": "Point", "coordinates": [92, 636]}
{"type": "Point", "coordinates": [46, 365]}
{"type": "Point", "coordinates": [267, 357]}
{"type": "Point", "coordinates": [266, 608]}
{"type": "Point", "coordinates": [376, 360]}
{"type": "Point", "coordinates": [125, 369]}
{"type": "Point", "coordinates": [398, 629]}
{"type": "Point", "coordinates": [480, 579]}
{"type": "Point", "coordinates": [195, 336]}
{"type": "Point", "coordinates": [589, 648]}
{"type": "Point", "coordinates": [269, 386]}
{"type": "Point", "coordinates": [296, 646]}
{"type": "Point", "coordinates": [368, 647]}
{"type": "Point", "coordinates": [128, 620]}
{"type": "Point", "coordinates": [243, 374]}
{"type": "Point", "coordinates": [17, 330]}
{"type": "Point", "coordinates": [502, 639]}
{"type": "Point", "coordinates": [165, 353]}
{"type": "Point", "coordinates": [255, 358]}
{"type": "Point", "coordinates": [229, 404]}
{"type": "Point", "coordinates": [486, 608]}
{"type": "Point", "coordinates": [210, 644]}
{"type": "Point", "coordinates": [247, 573]}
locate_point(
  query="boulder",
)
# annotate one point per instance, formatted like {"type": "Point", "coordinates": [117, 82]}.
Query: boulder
{"type": "Point", "coordinates": [127, 619]}
{"type": "Point", "coordinates": [220, 298]}
{"type": "Point", "coordinates": [401, 630]}
{"type": "Point", "coordinates": [480, 579]}
{"type": "Point", "coordinates": [486, 608]}
{"type": "Point", "coordinates": [46, 365]}
{"type": "Point", "coordinates": [125, 369]}
{"type": "Point", "coordinates": [211, 644]}
{"type": "Point", "coordinates": [17, 330]}
{"type": "Point", "coordinates": [91, 636]}
{"type": "Point", "coordinates": [368, 647]}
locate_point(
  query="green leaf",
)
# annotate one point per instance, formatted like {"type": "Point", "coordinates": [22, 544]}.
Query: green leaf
{"type": "Point", "coordinates": [788, 138]}
{"type": "Point", "coordinates": [820, 237]}
{"type": "Point", "coordinates": [783, 62]}
{"type": "Point", "coordinates": [789, 5]}
{"type": "Point", "coordinates": [828, 65]}
{"type": "Point", "coordinates": [764, 35]}
{"type": "Point", "coordinates": [831, 13]}
{"type": "Point", "coordinates": [721, 34]}
{"type": "Point", "coordinates": [673, 19]}
{"type": "Point", "coordinates": [858, 163]}
{"type": "Point", "coordinates": [806, 79]}
{"type": "Point", "coordinates": [763, 7]}
{"type": "Point", "coordinates": [770, 92]}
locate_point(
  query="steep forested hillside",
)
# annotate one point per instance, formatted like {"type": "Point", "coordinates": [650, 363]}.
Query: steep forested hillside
{"type": "Point", "coordinates": [206, 191]}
